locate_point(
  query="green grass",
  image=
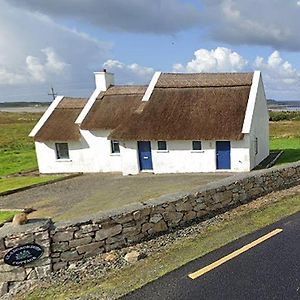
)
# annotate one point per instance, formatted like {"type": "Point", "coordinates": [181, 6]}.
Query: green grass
{"type": "Point", "coordinates": [290, 147]}
{"type": "Point", "coordinates": [285, 135]}
{"type": "Point", "coordinates": [17, 152]}
{"type": "Point", "coordinates": [180, 252]}
{"type": "Point", "coordinates": [7, 184]}
{"type": "Point", "coordinates": [6, 216]}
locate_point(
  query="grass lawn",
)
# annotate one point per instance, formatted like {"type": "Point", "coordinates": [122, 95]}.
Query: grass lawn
{"type": "Point", "coordinates": [285, 135]}
{"type": "Point", "coordinates": [16, 148]}
{"type": "Point", "coordinates": [7, 184]}
{"type": "Point", "coordinates": [121, 282]}
{"type": "Point", "coordinates": [6, 216]}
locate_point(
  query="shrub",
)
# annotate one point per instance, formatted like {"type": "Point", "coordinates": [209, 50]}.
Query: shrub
{"type": "Point", "coordinates": [276, 116]}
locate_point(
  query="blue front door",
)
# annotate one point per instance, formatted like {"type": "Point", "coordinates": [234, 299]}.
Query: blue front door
{"type": "Point", "coordinates": [223, 155]}
{"type": "Point", "coordinates": [145, 155]}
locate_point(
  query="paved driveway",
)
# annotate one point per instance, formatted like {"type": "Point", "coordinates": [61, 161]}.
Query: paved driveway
{"type": "Point", "coordinates": [91, 193]}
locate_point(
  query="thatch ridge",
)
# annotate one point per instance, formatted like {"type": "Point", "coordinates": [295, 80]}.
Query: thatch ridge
{"type": "Point", "coordinates": [176, 80]}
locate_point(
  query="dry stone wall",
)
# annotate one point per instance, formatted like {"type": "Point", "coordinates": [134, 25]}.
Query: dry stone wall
{"type": "Point", "coordinates": [68, 242]}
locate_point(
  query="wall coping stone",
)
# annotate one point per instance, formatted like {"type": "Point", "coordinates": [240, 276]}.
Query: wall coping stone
{"type": "Point", "coordinates": [33, 225]}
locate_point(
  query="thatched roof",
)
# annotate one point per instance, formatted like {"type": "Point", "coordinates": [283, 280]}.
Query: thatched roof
{"type": "Point", "coordinates": [60, 126]}
{"type": "Point", "coordinates": [191, 107]}
{"type": "Point", "coordinates": [113, 107]}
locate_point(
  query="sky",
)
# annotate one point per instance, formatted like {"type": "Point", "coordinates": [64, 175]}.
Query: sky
{"type": "Point", "coordinates": [60, 43]}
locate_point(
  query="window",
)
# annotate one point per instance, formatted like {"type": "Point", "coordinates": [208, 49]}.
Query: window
{"type": "Point", "coordinates": [197, 145]}
{"type": "Point", "coordinates": [256, 146]}
{"type": "Point", "coordinates": [62, 151]}
{"type": "Point", "coordinates": [115, 147]}
{"type": "Point", "coordinates": [161, 145]}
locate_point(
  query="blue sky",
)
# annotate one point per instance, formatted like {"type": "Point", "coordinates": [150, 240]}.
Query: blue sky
{"type": "Point", "coordinates": [60, 43]}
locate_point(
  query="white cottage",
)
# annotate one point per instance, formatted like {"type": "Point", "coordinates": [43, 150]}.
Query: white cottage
{"type": "Point", "coordinates": [179, 123]}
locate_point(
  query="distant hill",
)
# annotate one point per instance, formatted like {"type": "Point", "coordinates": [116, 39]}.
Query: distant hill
{"type": "Point", "coordinates": [24, 104]}
{"type": "Point", "coordinates": [272, 102]}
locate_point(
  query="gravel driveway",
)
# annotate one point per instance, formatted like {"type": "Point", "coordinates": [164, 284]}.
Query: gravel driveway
{"type": "Point", "coordinates": [91, 193]}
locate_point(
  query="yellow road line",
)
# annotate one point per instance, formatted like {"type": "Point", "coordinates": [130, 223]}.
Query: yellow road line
{"type": "Point", "coordinates": [233, 254]}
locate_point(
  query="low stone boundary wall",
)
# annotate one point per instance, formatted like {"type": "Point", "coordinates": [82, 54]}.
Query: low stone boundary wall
{"type": "Point", "coordinates": [67, 242]}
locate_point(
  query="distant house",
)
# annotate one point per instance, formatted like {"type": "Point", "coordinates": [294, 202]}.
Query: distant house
{"type": "Point", "coordinates": [178, 123]}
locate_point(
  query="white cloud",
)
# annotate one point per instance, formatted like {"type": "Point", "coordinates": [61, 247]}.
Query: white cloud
{"type": "Point", "coordinates": [131, 73]}
{"type": "Point", "coordinates": [281, 78]}
{"type": "Point", "coordinates": [37, 52]}
{"type": "Point", "coordinates": [279, 75]}
{"type": "Point", "coordinates": [216, 60]}
{"type": "Point", "coordinates": [40, 72]}
{"type": "Point", "coordinates": [10, 78]}
{"type": "Point", "coordinates": [253, 22]}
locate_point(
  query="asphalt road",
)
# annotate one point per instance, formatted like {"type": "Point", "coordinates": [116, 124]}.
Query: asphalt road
{"type": "Point", "coordinates": [270, 270]}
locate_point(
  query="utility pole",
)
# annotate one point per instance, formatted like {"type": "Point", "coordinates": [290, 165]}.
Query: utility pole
{"type": "Point", "coordinates": [53, 94]}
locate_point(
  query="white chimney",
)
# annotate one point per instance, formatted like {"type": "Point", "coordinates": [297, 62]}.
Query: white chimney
{"type": "Point", "coordinates": [104, 80]}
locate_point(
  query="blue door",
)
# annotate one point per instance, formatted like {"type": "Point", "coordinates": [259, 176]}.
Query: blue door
{"type": "Point", "coordinates": [145, 155]}
{"type": "Point", "coordinates": [223, 155]}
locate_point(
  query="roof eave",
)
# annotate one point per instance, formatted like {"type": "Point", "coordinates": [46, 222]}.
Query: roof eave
{"type": "Point", "coordinates": [251, 102]}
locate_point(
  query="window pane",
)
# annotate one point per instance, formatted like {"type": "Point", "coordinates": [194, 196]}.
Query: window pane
{"type": "Point", "coordinates": [197, 145]}
{"type": "Point", "coordinates": [256, 145]}
{"type": "Point", "coordinates": [115, 148]}
{"type": "Point", "coordinates": [62, 151]}
{"type": "Point", "coordinates": [162, 145]}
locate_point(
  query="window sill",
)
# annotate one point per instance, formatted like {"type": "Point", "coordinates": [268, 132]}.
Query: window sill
{"type": "Point", "coordinates": [197, 151]}
{"type": "Point", "coordinates": [115, 154]}
{"type": "Point", "coordinates": [162, 151]}
{"type": "Point", "coordinates": [64, 160]}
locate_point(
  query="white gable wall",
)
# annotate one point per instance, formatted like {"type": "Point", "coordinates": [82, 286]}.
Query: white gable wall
{"type": "Point", "coordinates": [259, 128]}
{"type": "Point", "coordinates": [91, 154]}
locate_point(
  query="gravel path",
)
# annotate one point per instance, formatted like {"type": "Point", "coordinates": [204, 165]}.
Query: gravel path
{"type": "Point", "coordinates": [90, 193]}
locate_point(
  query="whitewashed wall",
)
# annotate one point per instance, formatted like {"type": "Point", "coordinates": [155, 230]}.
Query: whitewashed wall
{"type": "Point", "coordinates": [129, 157]}
{"type": "Point", "coordinates": [91, 154]}
{"type": "Point", "coordinates": [259, 128]}
{"type": "Point", "coordinates": [180, 158]}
